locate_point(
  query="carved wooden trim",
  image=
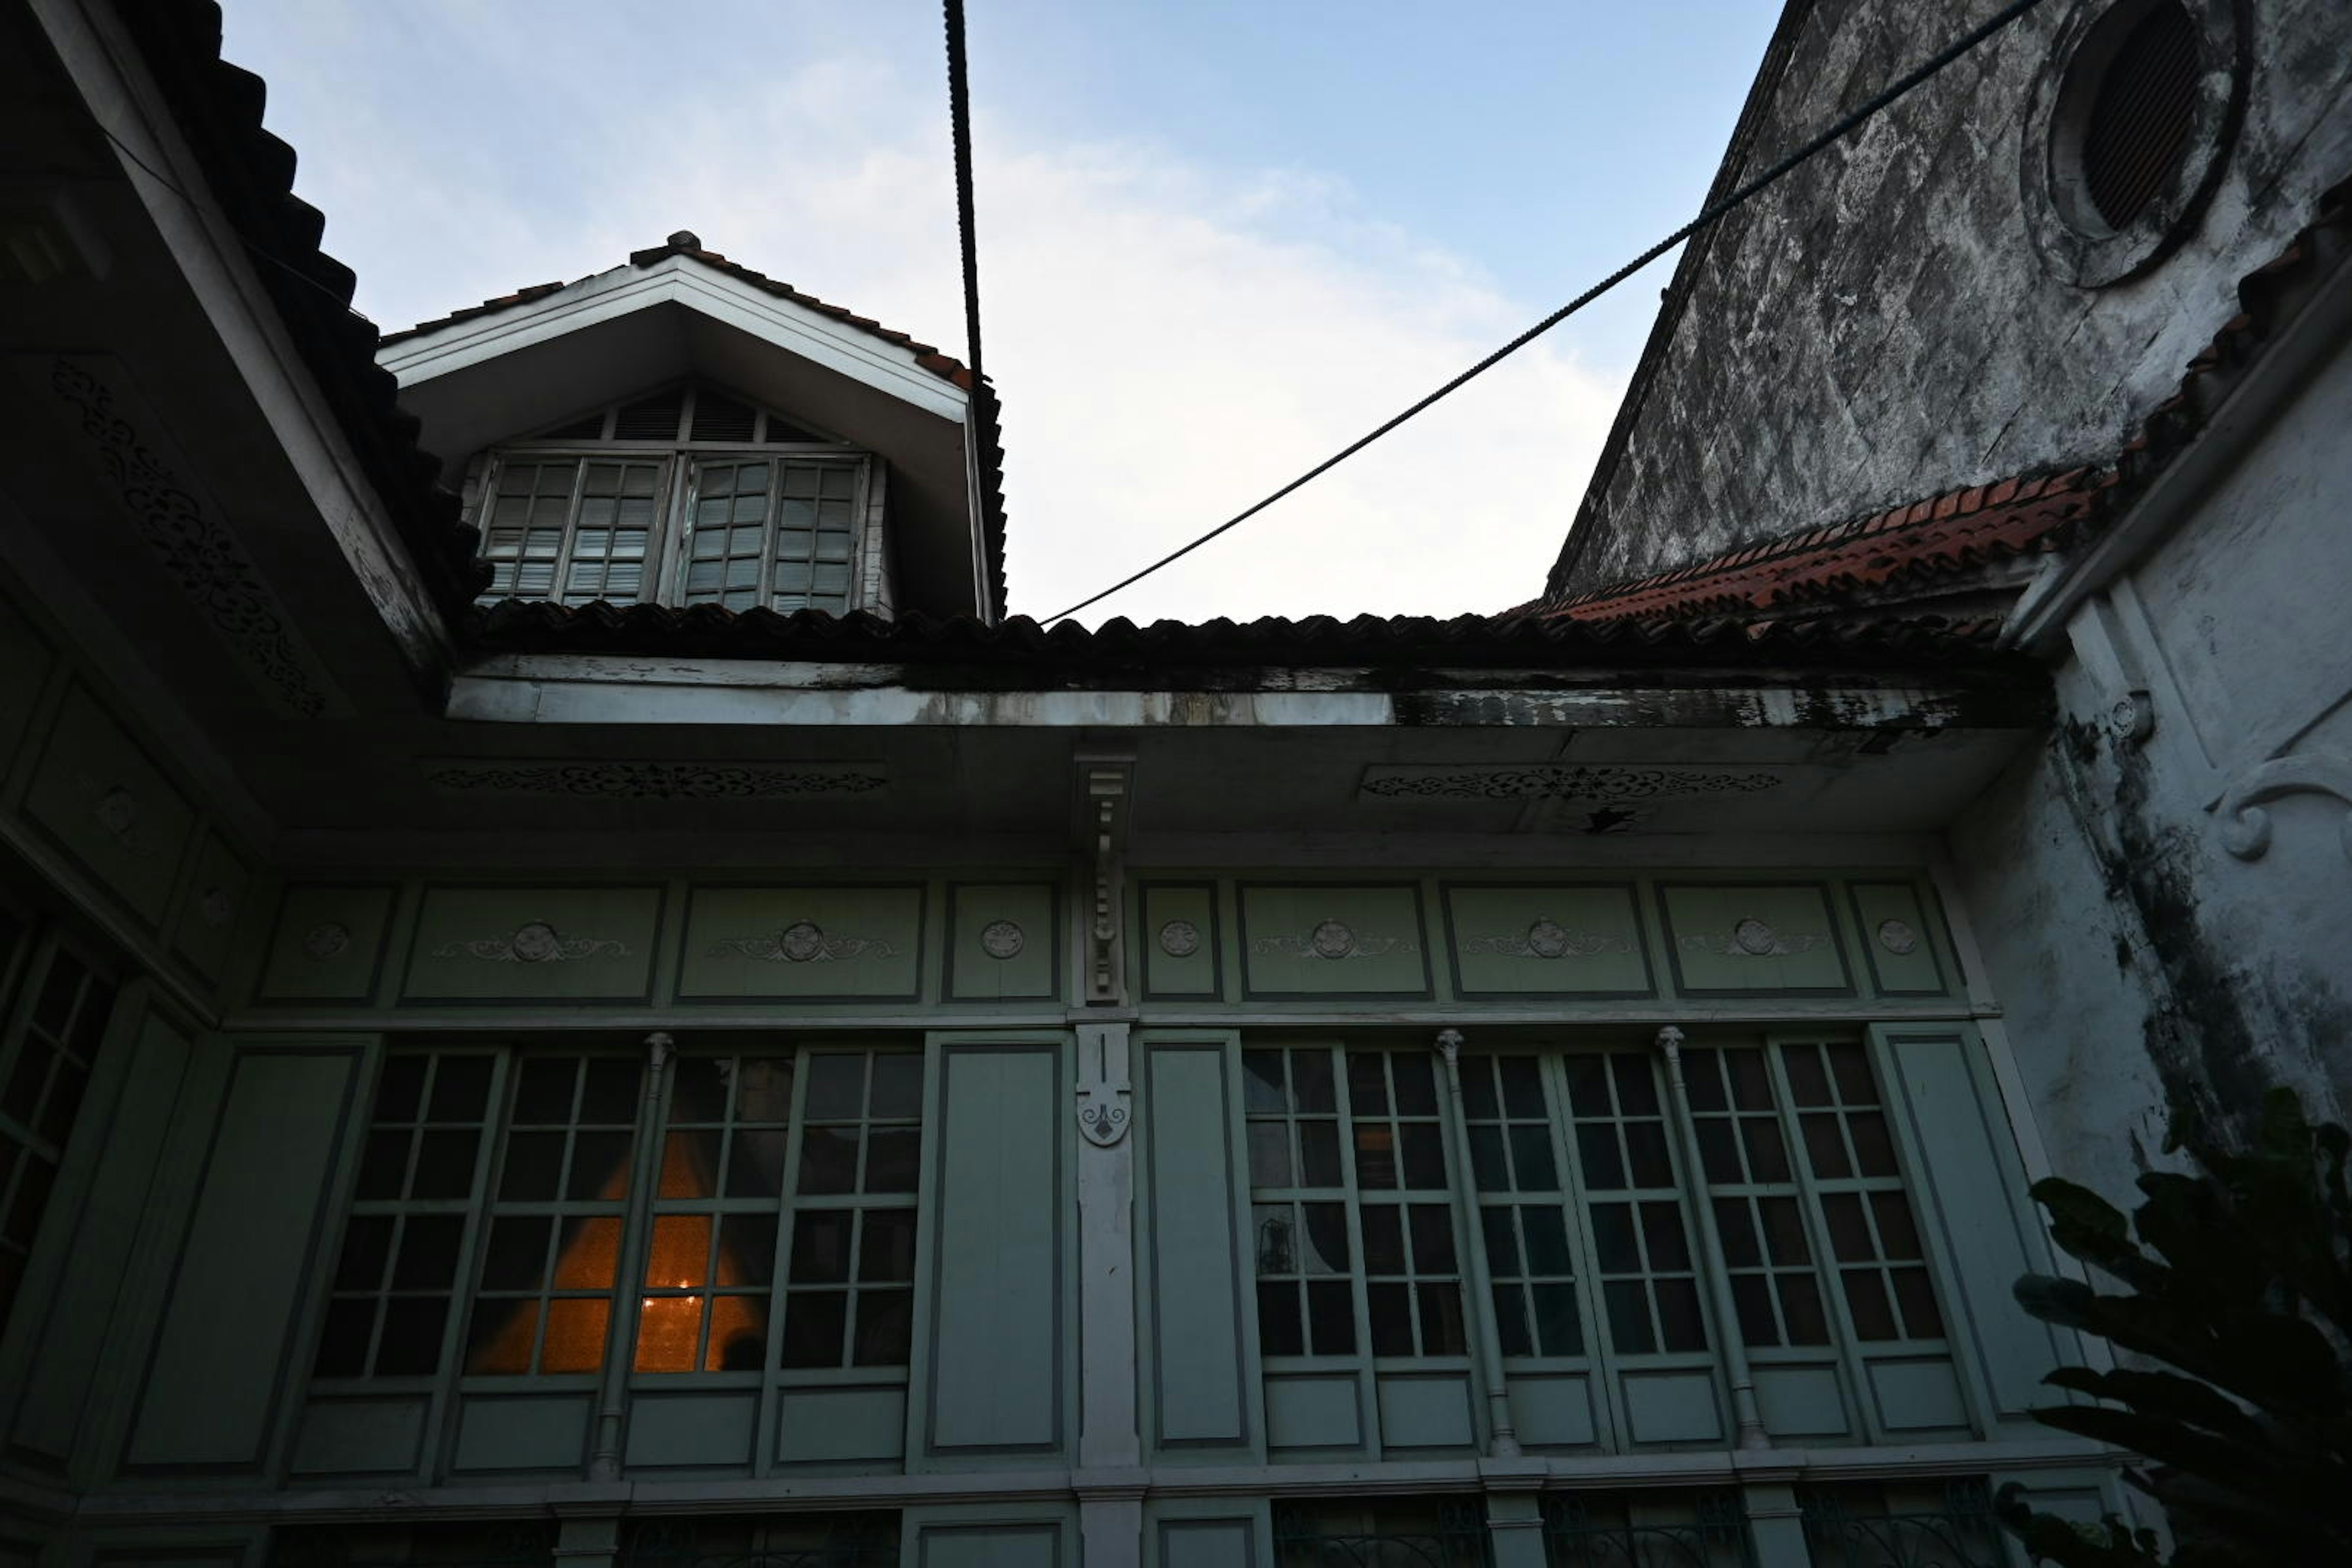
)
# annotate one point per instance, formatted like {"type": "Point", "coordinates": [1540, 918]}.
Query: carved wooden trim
{"type": "Point", "coordinates": [2246, 826]}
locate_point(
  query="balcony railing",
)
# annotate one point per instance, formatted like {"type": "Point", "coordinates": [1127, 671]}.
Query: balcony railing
{"type": "Point", "coordinates": [1716, 1537]}
{"type": "Point", "coordinates": [1457, 1541]}
{"type": "Point", "coordinates": [1962, 1534]}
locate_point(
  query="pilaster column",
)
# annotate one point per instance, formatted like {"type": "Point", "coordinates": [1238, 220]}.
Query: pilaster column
{"type": "Point", "coordinates": [1477, 1278]}
{"type": "Point", "coordinates": [1734, 1353]}
{"type": "Point", "coordinates": [1109, 1481]}
{"type": "Point", "coordinates": [1776, 1525]}
{"type": "Point", "coordinates": [645, 1176]}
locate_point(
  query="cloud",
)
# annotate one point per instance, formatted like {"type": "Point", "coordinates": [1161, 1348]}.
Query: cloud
{"type": "Point", "coordinates": [1171, 341]}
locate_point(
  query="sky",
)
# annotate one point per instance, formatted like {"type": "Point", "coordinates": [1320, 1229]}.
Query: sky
{"type": "Point", "coordinates": [1218, 239]}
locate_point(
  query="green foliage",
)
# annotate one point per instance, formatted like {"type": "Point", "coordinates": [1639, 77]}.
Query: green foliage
{"type": "Point", "coordinates": [2241, 1281]}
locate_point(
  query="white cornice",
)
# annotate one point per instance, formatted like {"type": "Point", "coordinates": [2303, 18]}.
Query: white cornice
{"type": "Point", "coordinates": [676, 281]}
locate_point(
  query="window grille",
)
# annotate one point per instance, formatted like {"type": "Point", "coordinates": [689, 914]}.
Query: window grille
{"type": "Point", "coordinates": [1583, 1530]}
{"type": "Point", "coordinates": [1864, 1526]}
{"type": "Point", "coordinates": [864, 1540]}
{"type": "Point", "coordinates": [54, 1010]}
{"type": "Point", "coordinates": [1452, 1534]}
{"type": "Point", "coordinates": [1642, 1251]}
{"type": "Point", "coordinates": [1529, 1254]}
{"type": "Point", "coordinates": [508, 1544]}
{"type": "Point", "coordinates": [2142, 114]}
{"type": "Point", "coordinates": [1850, 1157]}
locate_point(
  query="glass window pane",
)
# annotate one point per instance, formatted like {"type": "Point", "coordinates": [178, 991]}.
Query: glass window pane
{"type": "Point", "coordinates": [1645, 1146]}
{"type": "Point", "coordinates": [575, 1335]}
{"type": "Point", "coordinates": [1327, 1239]}
{"type": "Point", "coordinates": [1680, 1324]}
{"type": "Point", "coordinates": [1546, 1230]}
{"type": "Point", "coordinates": [588, 1253]}
{"type": "Point", "coordinates": [1432, 1226]}
{"type": "Point", "coordinates": [1376, 1165]}
{"type": "Point", "coordinates": [763, 1091]}
{"type": "Point", "coordinates": [1523, 1085]}
{"type": "Point", "coordinates": [1273, 1229]}
{"type": "Point", "coordinates": [1852, 1068]}
{"type": "Point", "coordinates": [1629, 1316]}
{"type": "Point", "coordinates": [1920, 1319]}
{"type": "Point", "coordinates": [1849, 1232]}
{"type": "Point", "coordinates": [1391, 1307]}
{"type": "Point", "coordinates": [690, 1167]}
{"type": "Point", "coordinates": [755, 1164]}
{"type": "Point", "coordinates": [1873, 1151]}
{"type": "Point", "coordinates": [1269, 1153]}
{"type": "Point", "coordinates": [1734, 1229]}
{"type": "Point", "coordinates": [814, 1323]}
{"type": "Point", "coordinates": [534, 1167]}
{"type": "Point", "coordinates": [1479, 1100]}
{"type": "Point", "coordinates": [1310, 1081]}
{"type": "Point", "coordinates": [886, 1247]}
{"type": "Point", "coordinates": [428, 1252]}
{"type": "Point", "coordinates": [1587, 1086]}
{"type": "Point", "coordinates": [344, 1341]}
{"type": "Point", "coordinates": [1807, 1082]}
{"type": "Point", "coordinates": [1557, 1328]}
{"type": "Point", "coordinates": [828, 1160]}
{"type": "Point", "coordinates": [517, 1257]}
{"type": "Point", "coordinates": [1415, 1077]}
{"type": "Point", "coordinates": [1262, 1085]}
{"type": "Point", "coordinates": [1866, 1298]}
{"type": "Point", "coordinates": [1368, 1088]}
{"type": "Point", "coordinates": [498, 1340]}
{"type": "Point", "coordinates": [1511, 1321]}
{"type": "Point", "coordinates": [608, 1096]}
{"type": "Point", "coordinates": [410, 1345]}
{"type": "Point", "coordinates": [699, 1091]}
{"type": "Point", "coordinates": [1441, 1332]}
{"type": "Point", "coordinates": [886, 1326]}
{"type": "Point", "coordinates": [1383, 1239]}
{"type": "Point", "coordinates": [821, 1246]}
{"type": "Point", "coordinates": [1751, 1082]}
{"type": "Point", "coordinates": [897, 1090]}
{"type": "Point", "coordinates": [1768, 1157]}
{"type": "Point", "coordinates": [367, 1247]}
{"type": "Point", "coordinates": [1502, 1242]}
{"type": "Point", "coordinates": [1662, 1228]}
{"type": "Point", "coordinates": [1490, 1167]}
{"type": "Point", "coordinates": [1897, 1236]}
{"type": "Point", "coordinates": [680, 1257]}
{"type": "Point", "coordinates": [600, 1166]}
{"type": "Point", "coordinates": [836, 1087]}
{"type": "Point", "coordinates": [1613, 1246]}
{"type": "Point", "coordinates": [445, 1165]}
{"type": "Point", "coordinates": [892, 1157]}
{"type": "Point", "coordinates": [1596, 1144]}
{"type": "Point", "coordinates": [401, 1090]}
{"type": "Point", "coordinates": [747, 1250]}
{"type": "Point", "coordinates": [1825, 1147]}
{"type": "Point", "coordinates": [383, 1165]}
{"type": "Point", "coordinates": [1801, 1309]}
{"type": "Point", "coordinates": [739, 1334]}
{"type": "Point", "coordinates": [1784, 1232]}
{"type": "Point", "coordinates": [461, 1088]}
{"type": "Point", "coordinates": [1531, 1159]}
{"type": "Point", "coordinates": [1424, 1156]}
{"type": "Point", "coordinates": [1279, 1331]}
{"type": "Point", "coordinates": [1637, 1087]}
{"type": "Point", "coordinates": [1751, 1296]}
{"type": "Point", "coordinates": [1717, 1153]}
{"type": "Point", "coordinates": [1702, 1073]}
{"type": "Point", "coordinates": [1318, 1154]}
{"type": "Point", "coordinates": [1331, 1317]}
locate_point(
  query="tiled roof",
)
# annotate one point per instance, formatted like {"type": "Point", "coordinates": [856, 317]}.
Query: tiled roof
{"type": "Point", "coordinates": [1145, 653]}
{"type": "Point", "coordinates": [986, 412]}
{"type": "Point", "coordinates": [1888, 556]}
{"type": "Point", "coordinates": [250, 172]}
{"type": "Point", "coordinates": [1940, 536]}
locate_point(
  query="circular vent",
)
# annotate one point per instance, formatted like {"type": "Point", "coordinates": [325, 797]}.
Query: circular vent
{"type": "Point", "coordinates": [2130, 120]}
{"type": "Point", "coordinates": [2141, 115]}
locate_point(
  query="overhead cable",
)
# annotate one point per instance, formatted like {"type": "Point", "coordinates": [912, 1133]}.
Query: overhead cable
{"type": "Point", "coordinates": [1903, 85]}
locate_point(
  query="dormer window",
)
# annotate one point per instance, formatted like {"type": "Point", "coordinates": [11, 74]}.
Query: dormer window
{"type": "Point", "coordinates": [686, 495]}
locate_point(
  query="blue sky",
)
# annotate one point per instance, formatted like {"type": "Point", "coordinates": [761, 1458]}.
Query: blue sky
{"type": "Point", "coordinates": [1218, 239]}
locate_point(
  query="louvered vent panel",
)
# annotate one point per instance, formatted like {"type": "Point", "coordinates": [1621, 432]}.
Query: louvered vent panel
{"type": "Point", "coordinates": [718, 417]}
{"type": "Point", "coordinates": [651, 419]}
{"type": "Point", "coordinates": [784, 430]}
{"type": "Point", "coordinates": [2140, 119]}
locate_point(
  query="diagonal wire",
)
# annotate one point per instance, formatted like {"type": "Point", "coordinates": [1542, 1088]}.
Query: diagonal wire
{"type": "Point", "coordinates": [1707, 218]}
{"type": "Point", "coordinates": [959, 128]}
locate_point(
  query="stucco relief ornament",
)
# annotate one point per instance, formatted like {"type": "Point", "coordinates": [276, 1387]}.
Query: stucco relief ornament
{"type": "Point", "coordinates": [1102, 1115]}
{"type": "Point", "coordinates": [1001, 940]}
{"type": "Point", "coordinates": [215, 907]}
{"type": "Point", "coordinates": [802, 941]}
{"type": "Point", "coordinates": [1179, 939]}
{"type": "Point", "coordinates": [116, 810]}
{"type": "Point", "coordinates": [330, 939]}
{"type": "Point", "coordinates": [1332, 941]}
{"type": "Point", "coordinates": [2246, 826]}
{"type": "Point", "coordinates": [535, 942]}
{"type": "Point", "coordinates": [1547, 939]}
{"type": "Point", "coordinates": [1751, 938]}
{"type": "Point", "coordinates": [1897, 937]}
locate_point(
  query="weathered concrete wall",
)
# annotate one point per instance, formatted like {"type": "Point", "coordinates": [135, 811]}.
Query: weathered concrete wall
{"type": "Point", "coordinates": [1878, 328]}
{"type": "Point", "coordinates": [2140, 959]}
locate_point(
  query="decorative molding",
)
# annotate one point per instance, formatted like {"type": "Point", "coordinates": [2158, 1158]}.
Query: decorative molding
{"type": "Point", "coordinates": [1897, 937]}
{"type": "Point", "coordinates": [326, 940]}
{"type": "Point", "coordinates": [1179, 939]}
{"type": "Point", "coordinates": [199, 552]}
{"type": "Point", "coordinates": [2246, 826]}
{"type": "Point", "coordinates": [1332, 940]}
{"type": "Point", "coordinates": [1002, 939]}
{"type": "Point", "coordinates": [1105, 787]}
{"type": "Point", "coordinates": [1555, 781]}
{"type": "Point", "coordinates": [616, 780]}
{"type": "Point", "coordinates": [802, 941]}
{"type": "Point", "coordinates": [214, 905]}
{"type": "Point", "coordinates": [1104, 1092]}
{"type": "Point", "coordinates": [116, 811]}
{"type": "Point", "coordinates": [1751, 938]}
{"type": "Point", "coordinates": [535, 942]}
{"type": "Point", "coordinates": [1547, 939]}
